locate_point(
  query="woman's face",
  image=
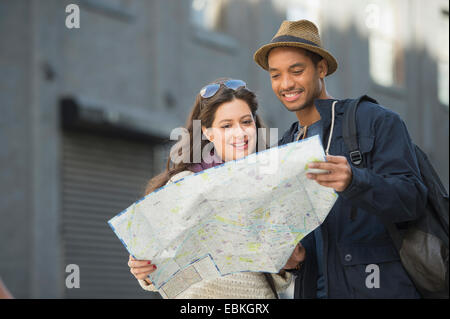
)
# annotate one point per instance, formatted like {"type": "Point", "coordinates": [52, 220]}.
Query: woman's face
{"type": "Point", "coordinates": [233, 130]}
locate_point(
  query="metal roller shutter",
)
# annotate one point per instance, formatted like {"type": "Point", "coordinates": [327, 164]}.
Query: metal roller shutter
{"type": "Point", "coordinates": [101, 176]}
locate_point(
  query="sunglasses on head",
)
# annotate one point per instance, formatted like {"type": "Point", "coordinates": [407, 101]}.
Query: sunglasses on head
{"type": "Point", "coordinates": [211, 89]}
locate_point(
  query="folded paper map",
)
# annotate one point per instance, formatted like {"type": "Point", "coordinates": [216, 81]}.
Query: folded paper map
{"type": "Point", "coordinates": [244, 215]}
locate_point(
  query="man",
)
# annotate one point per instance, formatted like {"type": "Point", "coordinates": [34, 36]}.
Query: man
{"type": "Point", "coordinates": [351, 254]}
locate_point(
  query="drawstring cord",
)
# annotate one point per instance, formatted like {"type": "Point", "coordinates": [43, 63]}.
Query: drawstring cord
{"type": "Point", "coordinates": [303, 134]}
{"type": "Point", "coordinates": [333, 107]}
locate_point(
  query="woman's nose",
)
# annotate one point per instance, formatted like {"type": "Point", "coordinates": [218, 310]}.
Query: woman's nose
{"type": "Point", "coordinates": [239, 132]}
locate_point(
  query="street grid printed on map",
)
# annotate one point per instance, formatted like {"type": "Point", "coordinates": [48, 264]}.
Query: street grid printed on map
{"type": "Point", "coordinates": [230, 218]}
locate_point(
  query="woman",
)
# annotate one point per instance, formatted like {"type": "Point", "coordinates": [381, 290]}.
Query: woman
{"type": "Point", "coordinates": [227, 111]}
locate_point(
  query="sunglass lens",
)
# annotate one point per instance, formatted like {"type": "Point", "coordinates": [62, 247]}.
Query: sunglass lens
{"type": "Point", "coordinates": [209, 90]}
{"type": "Point", "coordinates": [235, 84]}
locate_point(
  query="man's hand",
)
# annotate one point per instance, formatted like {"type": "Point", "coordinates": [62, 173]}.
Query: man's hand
{"type": "Point", "coordinates": [298, 256]}
{"type": "Point", "coordinates": [339, 174]}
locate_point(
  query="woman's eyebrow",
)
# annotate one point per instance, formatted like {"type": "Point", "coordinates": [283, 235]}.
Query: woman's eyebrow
{"type": "Point", "coordinates": [230, 120]}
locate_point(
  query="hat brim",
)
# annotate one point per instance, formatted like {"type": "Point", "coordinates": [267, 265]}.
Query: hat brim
{"type": "Point", "coordinates": [261, 55]}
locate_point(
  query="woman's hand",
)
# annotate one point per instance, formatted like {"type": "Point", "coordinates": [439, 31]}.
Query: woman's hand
{"type": "Point", "coordinates": [297, 257]}
{"type": "Point", "coordinates": [141, 268]}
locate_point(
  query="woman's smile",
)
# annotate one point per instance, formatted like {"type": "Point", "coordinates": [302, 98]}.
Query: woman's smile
{"type": "Point", "coordinates": [241, 146]}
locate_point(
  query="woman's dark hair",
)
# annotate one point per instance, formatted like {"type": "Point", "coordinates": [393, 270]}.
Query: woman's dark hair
{"type": "Point", "coordinates": [204, 109]}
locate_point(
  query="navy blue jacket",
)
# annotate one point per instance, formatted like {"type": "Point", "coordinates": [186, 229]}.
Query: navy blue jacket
{"type": "Point", "coordinates": [390, 188]}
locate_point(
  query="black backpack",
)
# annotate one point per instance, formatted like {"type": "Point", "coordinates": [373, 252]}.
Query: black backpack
{"type": "Point", "coordinates": [422, 244]}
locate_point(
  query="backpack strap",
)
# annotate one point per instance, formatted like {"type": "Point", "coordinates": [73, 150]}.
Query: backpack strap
{"type": "Point", "coordinates": [350, 135]}
{"type": "Point", "coordinates": [271, 282]}
{"type": "Point", "coordinates": [349, 130]}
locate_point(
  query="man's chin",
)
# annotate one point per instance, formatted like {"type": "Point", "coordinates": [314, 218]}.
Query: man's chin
{"type": "Point", "coordinates": [295, 108]}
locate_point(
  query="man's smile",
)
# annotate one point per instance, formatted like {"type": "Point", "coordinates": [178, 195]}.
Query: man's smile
{"type": "Point", "coordinates": [291, 96]}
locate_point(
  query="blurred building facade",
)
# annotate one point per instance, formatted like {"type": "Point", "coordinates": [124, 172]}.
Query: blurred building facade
{"type": "Point", "coordinates": [86, 113]}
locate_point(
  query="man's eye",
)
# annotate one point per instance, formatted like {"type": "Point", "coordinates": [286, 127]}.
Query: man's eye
{"type": "Point", "coordinates": [226, 126]}
{"type": "Point", "coordinates": [248, 122]}
{"type": "Point", "coordinates": [274, 76]}
{"type": "Point", "coordinates": [298, 72]}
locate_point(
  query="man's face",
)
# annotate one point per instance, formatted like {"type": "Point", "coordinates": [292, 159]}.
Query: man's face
{"type": "Point", "coordinates": [296, 81]}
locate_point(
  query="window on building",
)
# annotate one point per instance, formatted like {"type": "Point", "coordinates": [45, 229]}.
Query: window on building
{"type": "Point", "coordinates": [443, 57]}
{"type": "Point", "coordinates": [208, 14]}
{"type": "Point", "coordinates": [385, 48]}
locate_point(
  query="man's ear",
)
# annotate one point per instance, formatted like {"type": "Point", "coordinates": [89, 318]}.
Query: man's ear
{"type": "Point", "coordinates": [208, 133]}
{"type": "Point", "coordinates": [322, 68]}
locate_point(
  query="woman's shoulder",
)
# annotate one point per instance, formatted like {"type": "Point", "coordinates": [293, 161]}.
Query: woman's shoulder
{"type": "Point", "coordinates": [179, 176]}
{"type": "Point", "coordinates": [241, 285]}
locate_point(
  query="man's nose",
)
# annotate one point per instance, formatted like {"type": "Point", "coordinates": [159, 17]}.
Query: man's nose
{"type": "Point", "coordinates": [287, 83]}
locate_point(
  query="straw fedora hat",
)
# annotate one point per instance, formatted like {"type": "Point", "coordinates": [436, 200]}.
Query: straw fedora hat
{"type": "Point", "coordinates": [301, 34]}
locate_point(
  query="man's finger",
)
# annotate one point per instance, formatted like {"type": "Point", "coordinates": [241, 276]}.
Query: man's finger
{"type": "Point", "coordinates": [300, 249]}
{"type": "Point", "coordinates": [322, 165]}
{"type": "Point", "coordinates": [336, 159]}
{"type": "Point", "coordinates": [327, 177]}
{"type": "Point", "coordinates": [338, 186]}
{"type": "Point", "coordinates": [330, 176]}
